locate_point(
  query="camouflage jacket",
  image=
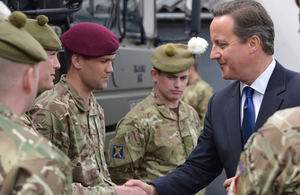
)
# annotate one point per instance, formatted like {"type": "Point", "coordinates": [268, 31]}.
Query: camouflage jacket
{"type": "Point", "coordinates": [29, 164]}
{"type": "Point", "coordinates": [270, 163]}
{"type": "Point", "coordinates": [78, 129]}
{"type": "Point", "coordinates": [151, 140]}
{"type": "Point", "coordinates": [197, 94]}
{"type": "Point", "coordinates": [27, 121]}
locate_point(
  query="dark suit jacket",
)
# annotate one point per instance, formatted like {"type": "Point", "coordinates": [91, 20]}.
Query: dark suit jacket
{"type": "Point", "coordinates": [220, 144]}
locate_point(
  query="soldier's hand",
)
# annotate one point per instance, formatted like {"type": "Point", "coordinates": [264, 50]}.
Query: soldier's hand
{"type": "Point", "coordinates": [227, 183]}
{"type": "Point", "coordinates": [150, 189]}
{"type": "Point", "coordinates": [133, 190]}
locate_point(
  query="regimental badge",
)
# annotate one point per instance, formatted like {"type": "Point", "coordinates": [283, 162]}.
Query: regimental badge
{"type": "Point", "coordinates": [117, 152]}
{"type": "Point", "coordinates": [193, 122]}
{"type": "Point", "coordinates": [241, 167]}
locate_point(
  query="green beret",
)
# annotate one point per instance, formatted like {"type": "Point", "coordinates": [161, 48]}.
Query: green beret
{"type": "Point", "coordinates": [17, 44]}
{"type": "Point", "coordinates": [43, 33]}
{"type": "Point", "coordinates": [172, 58]}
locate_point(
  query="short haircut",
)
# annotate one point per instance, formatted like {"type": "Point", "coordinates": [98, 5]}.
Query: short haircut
{"type": "Point", "coordinates": [158, 71]}
{"type": "Point", "coordinates": [68, 56]}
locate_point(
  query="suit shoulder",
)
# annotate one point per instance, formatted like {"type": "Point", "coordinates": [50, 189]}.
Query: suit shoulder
{"type": "Point", "coordinates": [226, 92]}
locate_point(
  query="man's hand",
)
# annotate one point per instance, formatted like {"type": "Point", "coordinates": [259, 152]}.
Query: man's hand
{"type": "Point", "coordinates": [227, 183]}
{"type": "Point", "coordinates": [126, 190]}
{"type": "Point", "coordinates": [150, 189]}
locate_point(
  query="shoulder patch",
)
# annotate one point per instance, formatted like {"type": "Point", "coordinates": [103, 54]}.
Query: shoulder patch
{"type": "Point", "coordinates": [193, 122]}
{"type": "Point", "coordinates": [241, 167]}
{"type": "Point", "coordinates": [117, 152]}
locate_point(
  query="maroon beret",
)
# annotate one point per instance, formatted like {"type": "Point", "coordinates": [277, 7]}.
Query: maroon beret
{"type": "Point", "coordinates": [90, 40]}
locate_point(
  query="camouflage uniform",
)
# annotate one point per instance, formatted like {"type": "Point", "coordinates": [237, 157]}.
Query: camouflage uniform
{"type": "Point", "coordinates": [27, 121]}
{"type": "Point", "coordinates": [151, 141]}
{"type": "Point", "coordinates": [270, 163]}
{"type": "Point", "coordinates": [78, 129]}
{"type": "Point", "coordinates": [29, 164]}
{"type": "Point", "coordinates": [197, 94]}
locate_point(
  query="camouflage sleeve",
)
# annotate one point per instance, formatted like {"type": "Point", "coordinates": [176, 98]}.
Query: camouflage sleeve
{"type": "Point", "coordinates": [27, 121]}
{"type": "Point", "coordinates": [126, 151]}
{"type": "Point", "coordinates": [79, 189]}
{"type": "Point", "coordinates": [199, 123]}
{"type": "Point", "coordinates": [241, 185]}
{"type": "Point", "coordinates": [40, 176]}
{"type": "Point", "coordinates": [203, 103]}
{"type": "Point", "coordinates": [51, 127]}
{"type": "Point", "coordinates": [270, 162]}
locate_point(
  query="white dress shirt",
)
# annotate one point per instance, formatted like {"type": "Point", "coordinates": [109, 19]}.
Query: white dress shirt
{"type": "Point", "coordinates": [259, 86]}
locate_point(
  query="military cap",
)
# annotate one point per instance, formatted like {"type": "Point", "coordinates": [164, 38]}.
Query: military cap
{"type": "Point", "coordinates": [43, 33]}
{"type": "Point", "coordinates": [90, 40]}
{"type": "Point", "coordinates": [17, 44]}
{"type": "Point", "coordinates": [179, 57]}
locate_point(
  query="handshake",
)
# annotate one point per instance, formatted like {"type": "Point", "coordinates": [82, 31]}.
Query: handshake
{"type": "Point", "coordinates": [136, 187]}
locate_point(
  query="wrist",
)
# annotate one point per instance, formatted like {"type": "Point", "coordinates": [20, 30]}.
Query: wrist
{"type": "Point", "coordinates": [153, 189]}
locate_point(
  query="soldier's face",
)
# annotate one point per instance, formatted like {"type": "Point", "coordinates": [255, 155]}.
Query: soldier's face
{"type": "Point", "coordinates": [47, 71]}
{"type": "Point", "coordinates": [95, 71]}
{"type": "Point", "coordinates": [170, 86]}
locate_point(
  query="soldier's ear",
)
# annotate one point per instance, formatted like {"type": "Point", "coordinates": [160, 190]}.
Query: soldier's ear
{"type": "Point", "coordinates": [76, 61]}
{"type": "Point", "coordinates": [28, 79]}
{"type": "Point", "coordinates": [154, 75]}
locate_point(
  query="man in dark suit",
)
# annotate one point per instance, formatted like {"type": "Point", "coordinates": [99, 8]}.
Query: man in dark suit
{"type": "Point", "coordinates": [242, 33]}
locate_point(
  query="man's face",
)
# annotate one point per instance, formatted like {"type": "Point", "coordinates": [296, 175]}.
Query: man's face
{"type": "Point", "coordinates": [95, 71]}
{"type": "Point", "coordinates": [47, 71]}
{"type": "Point", "coordinates": [170, 86]}
{"type": "Point", "coordinates": [232, 56]}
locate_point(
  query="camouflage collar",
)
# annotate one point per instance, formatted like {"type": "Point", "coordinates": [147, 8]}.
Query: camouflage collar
{"type": "Point", "coordinates": [166, 111]}
{"type": "Point", "coordinates": [7, 113]}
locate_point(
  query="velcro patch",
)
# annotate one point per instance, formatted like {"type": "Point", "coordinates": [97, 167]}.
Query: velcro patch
{"type": "Point", "coordinates": [117, 152]}
{"type": "Point", "coordinates": [193, 122]}
{"type": "Point", "coordinates": [241, 167]}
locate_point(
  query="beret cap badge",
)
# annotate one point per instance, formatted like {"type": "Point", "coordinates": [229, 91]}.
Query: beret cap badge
{"type": "Point", "coordinates": [197, 45]}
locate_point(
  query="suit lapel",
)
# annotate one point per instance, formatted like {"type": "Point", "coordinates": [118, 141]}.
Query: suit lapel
{"type": "Point", "coordinates": [233, 122]}
{"type": "Point", "coordinates": [271, 102]}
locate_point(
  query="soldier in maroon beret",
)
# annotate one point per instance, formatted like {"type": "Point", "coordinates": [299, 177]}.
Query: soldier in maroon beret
{"type": "Point", "coordinates": [69, 115]}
